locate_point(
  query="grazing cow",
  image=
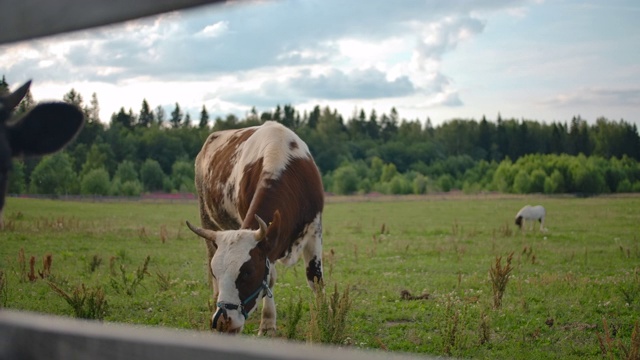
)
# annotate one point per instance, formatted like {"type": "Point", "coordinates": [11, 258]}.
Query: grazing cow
{"type": "Point", "coordinates": [44, 129]}
{"type": "Point", "coordinates": [263, 178]}
{"type": "Point", "coordinates": [531, 213]}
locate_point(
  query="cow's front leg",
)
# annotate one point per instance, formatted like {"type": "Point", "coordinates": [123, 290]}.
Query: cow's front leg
{"type": "Point", "coordinates": [268, 322]}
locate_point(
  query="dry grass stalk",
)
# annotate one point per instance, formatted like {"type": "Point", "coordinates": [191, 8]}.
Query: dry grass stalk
{"type": "Point", "coordinates": [22, 265]}
{"type": "Point", "coordinates": [484, 329]}
{"type": "Point", "coordinates": [32, 269]}
{"type": "Point", "coordinates": [163, 233]}
{"type": "Point", "coordinates": [617, 350]}
{"type": "Point", "coordinates": [47, 261]}
{"type": "Point", "coordinates": [329, 316]}
{"type": "Point", "coordinates": [95, 263]}
{"type": "Point", "coordinates": [4, 290]}
{"type": "Point", "coordinates": [499, 279]}
{"type": "Point", "coordinates": [451, 332]}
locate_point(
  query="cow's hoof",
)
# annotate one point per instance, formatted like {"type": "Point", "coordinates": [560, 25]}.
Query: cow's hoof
{"type": "Point", "coordinates": [270, 332]}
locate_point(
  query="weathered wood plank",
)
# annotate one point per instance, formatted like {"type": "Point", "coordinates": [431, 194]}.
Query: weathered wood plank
{"type": "Point", "coordinates": [32, 336]}
{"type": "Point", "coordinates": [28, 19]}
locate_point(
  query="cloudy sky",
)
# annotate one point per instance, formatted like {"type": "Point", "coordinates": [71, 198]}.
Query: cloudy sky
{"type": "Point", "coordinates": [540, 60]}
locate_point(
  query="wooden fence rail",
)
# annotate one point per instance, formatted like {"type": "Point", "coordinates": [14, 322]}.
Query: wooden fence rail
{"type": "Point", "coordinates": [32, 337]}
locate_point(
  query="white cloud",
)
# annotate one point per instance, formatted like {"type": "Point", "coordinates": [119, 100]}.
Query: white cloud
{"type": "Point", "coordinates": [627, 97]}
{"type": "Point", "coordinates": [450, 58]}
{"type": "Point", "coordinates": [215, 30]}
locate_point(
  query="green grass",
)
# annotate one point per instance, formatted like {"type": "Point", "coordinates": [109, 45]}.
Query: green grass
{"type": "Point", "coordinates": [564, 283]}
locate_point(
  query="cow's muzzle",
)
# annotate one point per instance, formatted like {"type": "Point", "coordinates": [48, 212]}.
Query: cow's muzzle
{"type": "Point", "coordinates": [221, 320]}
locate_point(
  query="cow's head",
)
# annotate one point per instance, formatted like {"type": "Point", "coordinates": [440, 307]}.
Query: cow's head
{"type": "Point", "coordinates": [44, 129]}
{"type": "Point", "coordinates": [241, 270]}
{"type": "Point", "coordinates": [519, 221]}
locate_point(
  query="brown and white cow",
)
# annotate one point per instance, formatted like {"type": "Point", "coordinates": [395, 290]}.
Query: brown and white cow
{"type": "Point", "coordinates": [246, 179]}
{"type": "Point", "coordinates": [44, 129]}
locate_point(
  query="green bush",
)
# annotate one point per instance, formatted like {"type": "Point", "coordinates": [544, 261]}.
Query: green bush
{"type": "Point", "coordinates": [54, 175]}
{"type": "Point", "coordinates": [522, 183]}
{"type": "Point", "coordinates": [95, 182]}
{"type": "Point", "coordinates": [345, 180]}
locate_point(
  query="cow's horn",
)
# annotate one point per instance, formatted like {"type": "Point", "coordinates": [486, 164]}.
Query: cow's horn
{"type": "Point", "coordinates": [262, 232]}
{"type": "Point", "coordinates": [204, 233]}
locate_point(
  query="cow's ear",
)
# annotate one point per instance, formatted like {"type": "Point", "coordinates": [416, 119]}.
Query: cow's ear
{"type": "Point", "coordinates": [206, 234]}
{"type": "Point", "coordinates": [45, 129]}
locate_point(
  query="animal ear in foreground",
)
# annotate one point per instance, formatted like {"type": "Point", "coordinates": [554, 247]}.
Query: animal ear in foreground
{"type": "Point", "coordinates": [45, 129]}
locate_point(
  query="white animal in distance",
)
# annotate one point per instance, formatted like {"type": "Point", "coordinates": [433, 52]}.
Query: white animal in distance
{"type": "Point", "coordinates": [531, 214]}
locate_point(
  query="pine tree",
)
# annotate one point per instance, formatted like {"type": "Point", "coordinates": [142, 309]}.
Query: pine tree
{"type": "Point", "coordinates": [176, 117]}
{"type": "Point", "coordinates": [4, 86]}
{"type": "Point", "coordinates": [204, 118]}
{"type": "Point", "coordinates": [187, 121]}
{"type": "Point", "coordinates": [160, 115]}
{"type": "Point", "coordinates": [93, 113]}
{"type": "Point", "coordinates": [73, 97]}
{"type": "Point", "coordinates": [146, 116]}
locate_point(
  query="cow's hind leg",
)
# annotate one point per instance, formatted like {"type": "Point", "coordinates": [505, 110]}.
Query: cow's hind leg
{"type": "Point", "coordinates": [313, 254]}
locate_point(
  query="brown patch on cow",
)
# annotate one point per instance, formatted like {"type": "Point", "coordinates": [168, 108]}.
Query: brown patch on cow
{"type": "Point", "coordinates": [293, 145]}
{"type": "Point", "coordinates": [251, 275]}
{"type": "Point", "coordinates": [297, 194]}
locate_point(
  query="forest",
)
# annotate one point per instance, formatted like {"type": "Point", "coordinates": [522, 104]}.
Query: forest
{"type": "Point", "coordinates": [152, 151]}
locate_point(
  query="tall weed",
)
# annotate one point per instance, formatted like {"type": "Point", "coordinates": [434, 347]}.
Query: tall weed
{"type": "Point", "coordinates": [499, 279]}
{"type": "Point", "coordinates": [87, 303]}
{"type": "Point", "coordinates": [128, 283]}
{"type": "Point", "coordinates": [329, 316]}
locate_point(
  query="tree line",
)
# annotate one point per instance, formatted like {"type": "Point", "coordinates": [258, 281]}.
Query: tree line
{"type": "Point", "coordinates": [152, 151]}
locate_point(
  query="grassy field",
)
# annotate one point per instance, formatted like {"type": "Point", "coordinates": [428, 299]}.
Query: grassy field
{"type": "Point", "coordinates": [417, 270]}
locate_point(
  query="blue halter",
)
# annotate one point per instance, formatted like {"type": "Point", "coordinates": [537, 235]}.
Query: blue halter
{"type": "Point", "coordinates": [224, 306]}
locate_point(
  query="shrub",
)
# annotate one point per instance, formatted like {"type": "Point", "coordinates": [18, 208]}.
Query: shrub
{"type": "Point", "coordinates": [522, 183]}
{"type": "Point", "coordinates": [54, 175]}
{"type": "Point", "coordinates": [445, 183]}
{"type": "Point", "coordinates": [345, 180]}
{"type": "Point", "coordinates": [96, 182]}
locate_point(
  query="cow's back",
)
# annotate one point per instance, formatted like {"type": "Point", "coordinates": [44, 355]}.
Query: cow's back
{"type": "Point", "coordinates": [255, 170]}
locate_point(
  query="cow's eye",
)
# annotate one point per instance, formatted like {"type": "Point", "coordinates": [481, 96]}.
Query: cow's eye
{"type": "Point", "coordinates": [246, 275]}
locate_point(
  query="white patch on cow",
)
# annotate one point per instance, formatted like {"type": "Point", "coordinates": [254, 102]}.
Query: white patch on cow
{"type": "Point", "coordinates": [233, 251]}
{"type": "Point", "coordinates": [271, 142]}
{"type": "Point", "coordinates": [532, 214]}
